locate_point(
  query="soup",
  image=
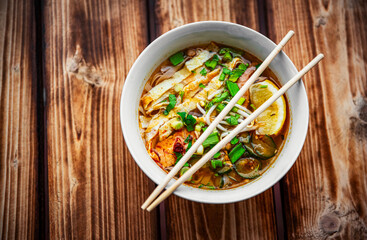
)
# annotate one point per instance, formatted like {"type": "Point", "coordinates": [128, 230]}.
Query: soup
{"type": "Point", "coordinates": [183, 96]}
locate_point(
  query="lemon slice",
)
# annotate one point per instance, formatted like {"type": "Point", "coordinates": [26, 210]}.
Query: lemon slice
{"type": "Point", "coordinates": [270, 121]}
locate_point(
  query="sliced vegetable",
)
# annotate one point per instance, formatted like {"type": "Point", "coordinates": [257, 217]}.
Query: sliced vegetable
{"type": "Point", "coordinates": [172, 103]}
{"type": "Point", "coordinates": [202, 85]}
{"type": "Point", "coordinates": [232, 88]}
{"type": "Point", "coordinates": [264, 146]}
{"type": "Point", "coordinates": [217, 155]}
{"type": "Point", "coordinates": [182, 172]}
{"type": "Point", "coordinates": [236, 153]}
{"type": "Point", "coordinates": [247, 168]}
{"type": "Point", "coordinates": [225, 169]}
{"type": "Point", "coordinates": [212, 139]}
{"type": "Point", "coordinates": [177, 58]}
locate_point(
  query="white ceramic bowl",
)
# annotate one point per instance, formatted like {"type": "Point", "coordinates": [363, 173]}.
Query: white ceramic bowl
{"type": "Point", "coordinates": [229, 34]}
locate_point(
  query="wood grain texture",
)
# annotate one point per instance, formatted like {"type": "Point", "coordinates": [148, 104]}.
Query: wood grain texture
{"type": "Point", "coordinates": [18, 121]}
{"type": "Point", "coordinates": [251, 219]}
{"type": "Point", "coordinates": [95, 187]}
{"type": "Point", "coordinates": [325, 192]}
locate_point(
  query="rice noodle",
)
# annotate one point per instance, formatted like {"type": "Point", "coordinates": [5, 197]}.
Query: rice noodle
{"type": "Point", "coordinates": [241, 107]}
{"type": "Point", "coordinates": [200, 109]}
{"type": "Point", "coordinates": [211, 110]}
{"type": "Point", "coordinates": [215, 93]}
{"type": "Point", "coordinates": [222, 128]}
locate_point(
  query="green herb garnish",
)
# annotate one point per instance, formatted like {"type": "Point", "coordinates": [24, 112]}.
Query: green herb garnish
{"type": "Point", "coordinates": [216, 163]}
{"type": "Point", "coordinates": [263, 86]}
{"type": "Point", "coordinates": [203, 72]}
{"type": "Point", "coordinates": [188, 120]}
{"type": "Point", "coordinates": [233, 120]}
{"type": "Point", "coordinates": [172, 103]}
{"type": "Point", "coordinates": [202, 85]}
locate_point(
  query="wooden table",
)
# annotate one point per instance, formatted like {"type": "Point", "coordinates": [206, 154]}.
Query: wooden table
{"type": "Point", "coordinates": [65, 171]}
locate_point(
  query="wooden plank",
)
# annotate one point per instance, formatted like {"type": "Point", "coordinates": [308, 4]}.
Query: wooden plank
{"type": "Point", "coordinates": [325, 192]}
{"type": "Point", "coordinates": [18, 121]}
{"type": "Point", "coordinates": [95, 187]}
{"type": "Point", "coordinates": [251, 219]}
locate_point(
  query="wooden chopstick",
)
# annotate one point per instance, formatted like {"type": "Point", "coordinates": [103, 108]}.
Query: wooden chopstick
{"type": "Point", "coordinates": [235, 131]}
{"type": "Point", "coordinates": [216, 121]}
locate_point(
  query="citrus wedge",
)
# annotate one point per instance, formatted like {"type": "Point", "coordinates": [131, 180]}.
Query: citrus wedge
{"type": "Point", "coordinates": [270, 121]}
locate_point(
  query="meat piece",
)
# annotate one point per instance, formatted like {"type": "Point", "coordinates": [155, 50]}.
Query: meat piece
{"type": "Point", "coordinates": [245, 76]}
{"type": "Point", "coordinates": [164, 150]}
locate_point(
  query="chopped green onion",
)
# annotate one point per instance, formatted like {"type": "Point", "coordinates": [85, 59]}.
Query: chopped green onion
{"type": "Point", "coordinates": [222, 77]}
{"type": "Point", "coordinates": [233, 88]}
{"type": "Point", "coordinates": [234, 140]}
{"type": "Point", "coordinates": [226, 71]}
{"type": "Point", "coordinates": [241, 101]}
{"type": "Point", "coordinates": [202, 85]}
{"type": "Point", "coordinates": [216, 163]}
{"type": "Point", "coordinates": [236, 73]}
{"type": "Point", "coordinates": [177, 58]}
{"type": "Point", "coordinates": [215, 58]}
{"type": "Point", "coordinates": [211, 140]}
{"type": "Point", "coordinates": [211, 187]}
{"type": "Point", "coordinates": [227, 57]}
{"type": "Point", "coordinates": [193, 71]}
{"type": "Point", "coordinates": [236, 153]}
{"type": "Point", "coordinates": [222, 97]}
{"type": "Point", "coordinates": [220, 107]}
{"type": "Point", "coordinates": [181, 93]}
{"type": "Point", "coordinates": [253, 106]}
{"type": "Point", "coordinates": [258, 65]}
{"type": "Point", "coordinates": [217, 155]}
{"type": "Point", "coordinates": [203, 72]}
{"type": "Point", "coordinates": [201, 185]}
{"type": "Point", "coordinates": [176, 124]}
{"type": "Point", "coordinates": [172, 103]}
{"type": "Point", "coordinates": [263, 86]}
{"type": "Point", "coordinates": [211, 64]}
{"type": "Point", "coordinates": [243, 66]}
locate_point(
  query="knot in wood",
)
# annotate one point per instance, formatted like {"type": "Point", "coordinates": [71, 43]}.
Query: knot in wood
{"type": "Point", "coordinates": [330, 223]}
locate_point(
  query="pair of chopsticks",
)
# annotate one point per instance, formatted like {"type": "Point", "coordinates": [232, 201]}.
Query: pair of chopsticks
{"type": "Point", "coordinates": [233, 133]}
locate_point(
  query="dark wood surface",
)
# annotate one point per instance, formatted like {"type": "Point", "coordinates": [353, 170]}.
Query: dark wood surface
{"type": "Point", "coordinates": [18, 121]}
{"type": "Point", "coordinates": [66, 173]}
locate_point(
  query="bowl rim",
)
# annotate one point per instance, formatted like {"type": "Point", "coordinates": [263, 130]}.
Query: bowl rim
{"type": "Point", "coordinates": [301, 134]}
